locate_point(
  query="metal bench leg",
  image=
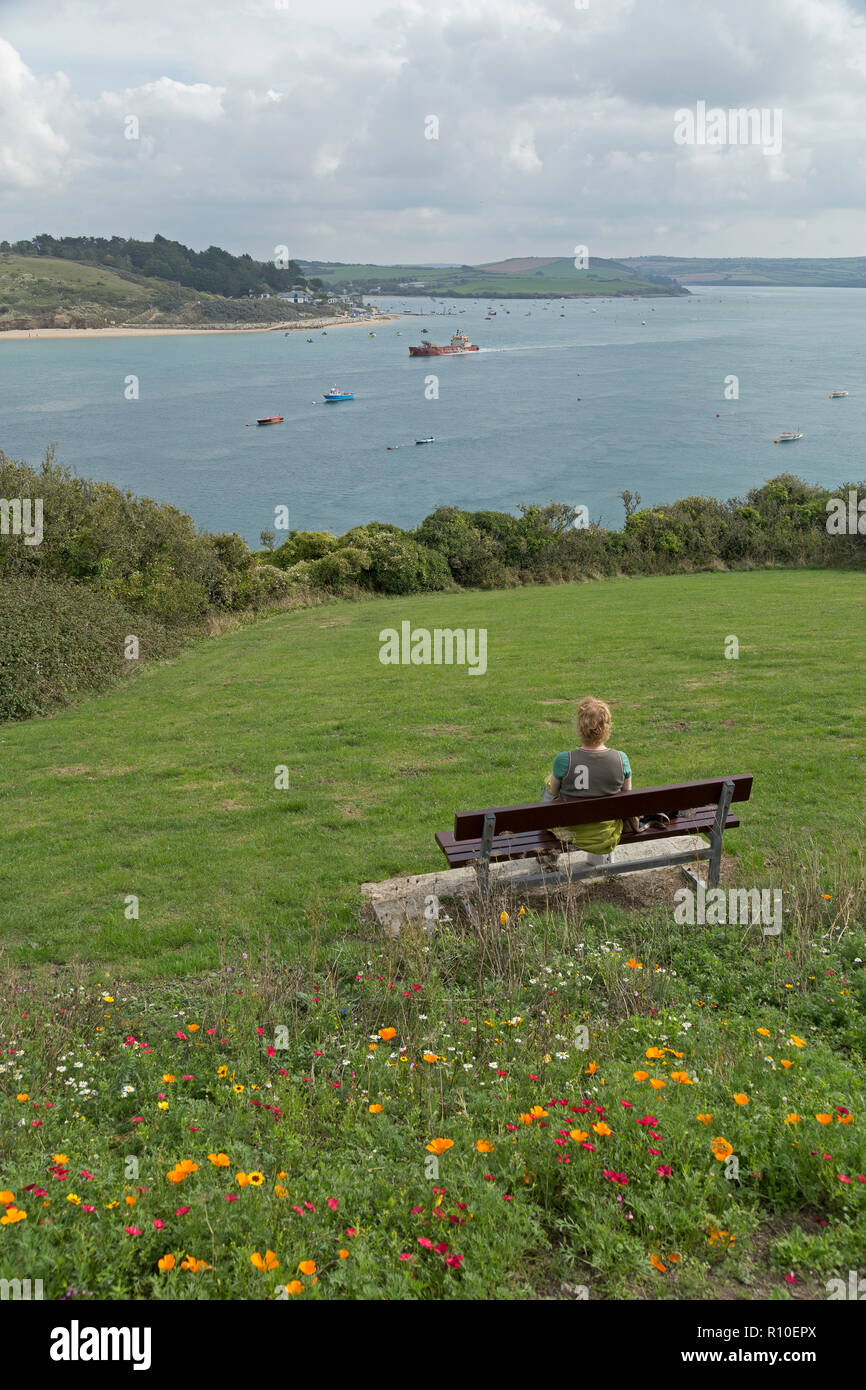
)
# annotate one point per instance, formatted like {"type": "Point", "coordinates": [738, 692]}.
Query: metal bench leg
{"type": "Point", "coordinates": [482, 867]}
{"type": "Point", "coordinates": [714, 863]}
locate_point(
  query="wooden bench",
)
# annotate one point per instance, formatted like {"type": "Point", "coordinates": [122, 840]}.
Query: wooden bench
{"type": "Point", "coordinates": [518, 832]}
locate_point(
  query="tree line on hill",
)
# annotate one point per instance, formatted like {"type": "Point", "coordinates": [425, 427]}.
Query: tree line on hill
{"type": "Point", "coordinates": [214, 271]}
{"type": "Point", "coordinates": [112, 565]}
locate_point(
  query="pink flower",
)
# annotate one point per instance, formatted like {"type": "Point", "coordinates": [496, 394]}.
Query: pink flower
{"type": "Point", "coordinates": [453, 1261]}
{"type": "Point", "coordinates": [790, 1278]}
{"type": "Point", "coordinates": [506, 1197]}
{"type": "Point", "coordinates": [85, 1206]}
{"type": "Point", "coordinates": [231, 1196]}
{"type": "Point", "coordinates": [333, 1203]}
{"type": "Point", "coordinates": [271, 1051]}
{"type": "Point", "coordinates": [261, 1032]}
{"type": "Point", "coordinates": [407, 1255]}
{"type": "Point", "coordinates": [350, 1230]}
{"type": "Point", "coordinates": [664, 1170]}
{"type": "Point", "coordinates": [179, 1034]}
{"type": "Point", "coordinates": [181, 1211]}
{"type": "Point", "coordinates": [132, 1230]}
{"type": "Point", "coordinates": [425, 1243]}
{"type": "Point", "coordinates": [138, 1119]}
{"type": "Point", "coordinates": [158, 1224]}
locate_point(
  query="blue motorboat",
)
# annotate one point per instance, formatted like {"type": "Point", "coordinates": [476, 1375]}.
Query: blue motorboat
{"type": "Point", "coordinates": [335, 395]}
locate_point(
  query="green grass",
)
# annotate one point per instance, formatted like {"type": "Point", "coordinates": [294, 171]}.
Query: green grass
{"type": "Point", "coordinates": [242, 1014]}
{"type": "Point", "coordinates": [164, 789]}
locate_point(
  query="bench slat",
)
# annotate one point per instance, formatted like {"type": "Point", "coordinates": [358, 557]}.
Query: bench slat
{"type": "Point", "coordinates": [537, 815]}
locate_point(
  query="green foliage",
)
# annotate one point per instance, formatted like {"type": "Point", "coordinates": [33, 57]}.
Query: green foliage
{"type": "Point", "coordinates": [58, 640]}
{"type": "Point", "coordinates": [214, 270]}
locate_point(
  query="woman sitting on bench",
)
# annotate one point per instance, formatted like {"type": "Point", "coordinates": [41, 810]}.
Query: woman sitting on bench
{"type": "Point", "coordinates": [593, 769]}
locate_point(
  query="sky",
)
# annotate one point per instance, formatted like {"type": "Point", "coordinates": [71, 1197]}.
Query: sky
{"type": "Point", "coordinates": [257, 124]}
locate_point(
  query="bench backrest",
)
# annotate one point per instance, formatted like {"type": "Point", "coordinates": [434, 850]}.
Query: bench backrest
{"type": "Point", "coordinates": [544, 815]}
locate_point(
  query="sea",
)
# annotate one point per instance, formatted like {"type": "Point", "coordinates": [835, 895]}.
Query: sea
{"type": "Point", "coordinates": [572, 401]}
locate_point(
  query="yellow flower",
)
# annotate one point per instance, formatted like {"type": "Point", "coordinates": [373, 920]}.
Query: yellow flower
{"type": "Point", "coordinates": [386, 1034]}
{"type": "Point", "coordinates": [22, 1096]}
{"type": "Point", "coordinates": [222, 1071]}
{"type": "Point", "coordinates": [167, 1262]}
{"type": "Point", "coordinates": [656, 1084]}
{"type": "Point", "coordinates": [168, 1078]}
{"type": "Point", "coordinates": [578, 1135]}
{"type": "Point", "coordinates": [764, 1032]}
{"type": "Point", "coordinates": [591, 1069]}
{"type": "Point", "coordinates": [798, 1042]}
{"type": "Point", "coordinates": [6, 1198]}
{"type": "Point", "coordinates": [792, 1118]}
{"type": "Point", "coordinates": [162, 1104]}
{"type": "Point", "coordinates": [783, 1061]}
{"type": "Point", "coordinates": [824, 1119]}
{"type": "Point", "coordinates": [503, 919]}
{"type": "Point", "coordinates": [242, 1179]}
{"type": "Point", "coordinates": [295, 1286]}
{"type": "Point", "coordinates": [717, 1237]}
{"type": "Point", "coordinates": [270, 1261]}
{"type": "Point", "coordinates": [634, 963]}
{"type": "Point", "coordinates": [61, 1158]}
{"type": "Point", "coordinates": [439, 1146]}
{"type": "Point", "coordinates": [657, 1263]}
{"type": "Point", "coordinates": [537, 1112]}
{"type": "Point", "coordinates": [601, 1128]}
{"type": "Point", "coordinates": [430, 1057]}
{"type": "Point", "coordinates": [682, 1077]}
{"type": "Point", "coordinates": [13, 1215]}
{"type": "Point", "coordinates": [344, 1254]}
{"type": "Point", "coordinates": [75, 1199]}
{"type": "Point", "coordinates": [280, 1190]}
{"type": "Point", "coordinates": [256, 1179]}
{"type": "Point", "coordinates": [237, 1088]}
{"type": "Point", "coordinates": [640, 1075]}
{"type": "Point", "coordinates": [131, 1201]}
{"type": "Point", "coordinates": [654, 1052]}
{"type": "Point", "coordinates": [307, 1267]}
{"type": "Point", "coordinates": [484, 1146]}
{"type": "Point", "coordinates": [219, 1160]}
{"type": "Point", "coordinates": [376, 1109]}
{"type": "Point", "coordinates": [525, 1119]}
{"type": "Point", "coordinates": [721, 1148]}
{"type": "Point", "coordinates": [741, 1098]}
{"type": "Point", "coordinates": [705, 1119]}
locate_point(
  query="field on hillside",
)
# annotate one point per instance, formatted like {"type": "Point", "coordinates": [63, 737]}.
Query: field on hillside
{"type": "Point", "coordinates": [164, 789]}
{"type": "Point", "coordinates": [247, 1092]}
{"type": "Point", "coordinates": [41, 291]}
{"type": "Point", "coordinates": [550, 277]}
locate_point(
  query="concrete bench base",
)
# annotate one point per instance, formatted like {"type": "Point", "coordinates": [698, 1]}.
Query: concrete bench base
{"type": "Point", "coordinates": [415, 898]}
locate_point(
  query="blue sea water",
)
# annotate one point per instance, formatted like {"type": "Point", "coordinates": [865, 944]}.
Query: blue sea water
{"type": "Point", "coordinates": [572, 402]}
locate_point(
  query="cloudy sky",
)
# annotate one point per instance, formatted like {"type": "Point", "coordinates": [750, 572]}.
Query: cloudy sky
{"type": "Point", "coordinates": [302, 122]}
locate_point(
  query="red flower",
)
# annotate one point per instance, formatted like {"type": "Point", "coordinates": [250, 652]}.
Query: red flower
{"type": "Point", "coordinates": [425, 1243]}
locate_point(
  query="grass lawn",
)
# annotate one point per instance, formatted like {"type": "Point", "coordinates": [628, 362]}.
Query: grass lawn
{"type": "Point", "coordinates": [165, 789]}
{"type": "Point", "coordinates": [248, 1094]}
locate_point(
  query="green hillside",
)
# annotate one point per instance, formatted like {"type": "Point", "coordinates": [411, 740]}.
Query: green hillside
{"type": "Point", "coordinates": [44, 292]}
{"type": "Point", "coordinates": [165, 788]}
{"type": "Point", "coordinates": [526, 277]}
{"type": "Point", "coordinates": [847, 272]}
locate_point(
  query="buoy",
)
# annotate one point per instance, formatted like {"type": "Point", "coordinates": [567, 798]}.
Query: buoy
{"type": "Point", "coordinates": [718, 416]}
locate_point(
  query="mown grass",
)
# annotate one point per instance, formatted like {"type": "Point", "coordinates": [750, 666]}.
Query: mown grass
{"type": "Point", "coordinates": [164, 789]}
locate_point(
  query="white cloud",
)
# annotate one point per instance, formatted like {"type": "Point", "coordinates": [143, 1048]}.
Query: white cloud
{"type": "Point", "coordinates": [260, 126]}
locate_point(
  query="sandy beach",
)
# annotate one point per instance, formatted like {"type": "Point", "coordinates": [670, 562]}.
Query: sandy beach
{"type": "Point", "coordinates": [130, 331]}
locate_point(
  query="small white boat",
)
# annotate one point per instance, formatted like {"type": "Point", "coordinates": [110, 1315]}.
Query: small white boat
{"type": "Point", "coordinates": [834, 395]}
{"type": "Point", "coordinates": [431, 440]}
{"type": "Point", "coordinates": [788, 436]}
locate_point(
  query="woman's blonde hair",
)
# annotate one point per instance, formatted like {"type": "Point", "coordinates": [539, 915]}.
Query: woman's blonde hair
{"type": "Point", "coordinates": [593, 721]}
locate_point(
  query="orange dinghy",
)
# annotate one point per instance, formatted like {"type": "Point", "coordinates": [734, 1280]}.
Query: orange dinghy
{"type": "Point", "coordinates": [270, 420]}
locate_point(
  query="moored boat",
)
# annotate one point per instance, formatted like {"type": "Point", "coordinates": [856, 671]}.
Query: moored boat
{"type": "Point", "coordinates": [834, 395]}
{"type": "Point", "coordinates": [431, 440]}
{"type": "Point", "coordinates": [270, 420]}
{"type": "Point", "coordinates": [336, 395]}
{"type": "Point", "coordinates": [788, 436]}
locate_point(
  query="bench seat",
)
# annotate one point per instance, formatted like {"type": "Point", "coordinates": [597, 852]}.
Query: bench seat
{"type": "Point", "coordinates": [528, 843]}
